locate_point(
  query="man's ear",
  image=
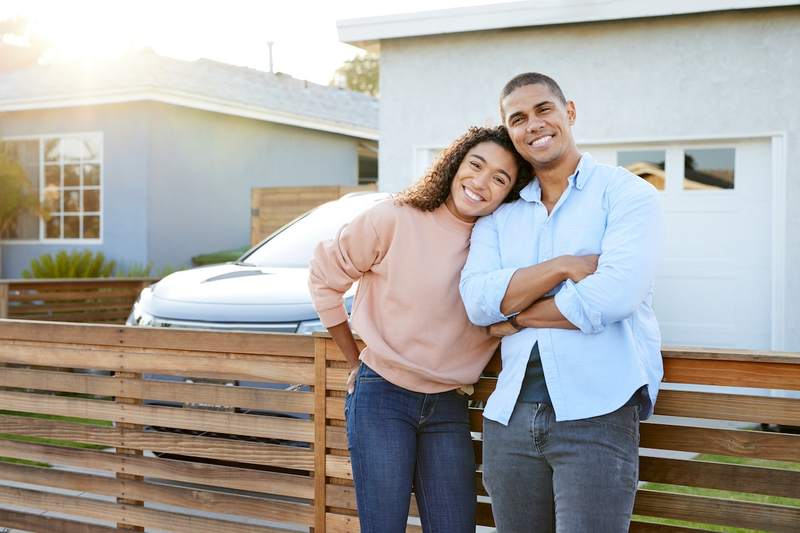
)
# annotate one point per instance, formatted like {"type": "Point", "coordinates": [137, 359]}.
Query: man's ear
{"type": "Point", "coordinates": [571, 112]}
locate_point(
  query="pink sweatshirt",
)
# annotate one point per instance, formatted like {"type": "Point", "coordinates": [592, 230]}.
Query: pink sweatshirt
{"type": "Point", "coordinates": [407, 308]}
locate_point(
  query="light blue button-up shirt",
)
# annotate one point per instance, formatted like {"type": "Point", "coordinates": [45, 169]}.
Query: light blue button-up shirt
{"type": "Point", "coordinates": [617, 349]}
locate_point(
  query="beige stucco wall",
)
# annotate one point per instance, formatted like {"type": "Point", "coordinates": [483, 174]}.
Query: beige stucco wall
{"type": "Point", "coordinates": [709, 75]}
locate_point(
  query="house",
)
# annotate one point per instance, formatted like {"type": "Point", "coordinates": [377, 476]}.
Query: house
{"type": "Point", "coordinates": [153, 159]}
{"type": "Point", "coordinates": [706, 90]}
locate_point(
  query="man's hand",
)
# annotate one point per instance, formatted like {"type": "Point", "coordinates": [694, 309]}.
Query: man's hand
{"type": "Point", "coordinates": [502, 329]}
{"type": "Point", "coordinates": [351, 380]}
{"type": "Point", "coordinates": [578, 267]}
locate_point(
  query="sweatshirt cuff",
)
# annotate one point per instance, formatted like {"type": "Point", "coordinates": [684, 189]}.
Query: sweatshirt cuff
{"type": "Point", "coordinates": [333, 317]}
{"type": "Point", "coordinates": [569, 303]}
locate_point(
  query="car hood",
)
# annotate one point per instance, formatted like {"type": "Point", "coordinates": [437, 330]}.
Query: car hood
{"type": "Point", "coordinates": [233, 293]}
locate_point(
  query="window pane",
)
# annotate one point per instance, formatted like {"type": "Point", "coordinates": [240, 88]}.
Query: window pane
{"type": "Point", "coordinates": [51, 150]}
{"type": "Point", "coordinates": [72, 200]}
{"type": "Point", "coordinates": [53, 228]}
{"type": "Point", "coordinates": [709, 169]}
{"type": "Point", "coordinates": [647, 164]}
{"type": "Point", "coordinates": [72, 227]}
{"type": "Point", "coordinates": [71, 149]}
{"type": "Point", "coordinates": [91, 227]}
{"type": "Point", "coordinates": [72, 175]}
{"type": "Point", "coordinates": [52, 176]}
{"type": "Point", "coordinates": [91, 200]}
{"type": "Point", "coordinates": [52, 198]}
{"type": "Point", "coordinates": [91, 148]}
{"type": "Point", "coordinates": [91, 174]}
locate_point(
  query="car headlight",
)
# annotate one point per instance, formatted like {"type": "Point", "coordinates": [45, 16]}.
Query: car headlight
{"type": "Point", "coordinates": [308, 327]}
{"type": "Point", "coordinates": [140, 317]}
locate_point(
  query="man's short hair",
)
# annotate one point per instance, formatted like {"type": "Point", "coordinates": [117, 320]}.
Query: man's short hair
{"type": "Point", "coordinates": [531, 78]}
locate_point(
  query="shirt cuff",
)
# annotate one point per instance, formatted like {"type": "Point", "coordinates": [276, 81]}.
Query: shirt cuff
{"type": "Point", "coordinates": [333, 317]}
{"type": "Point", "coordinates": [496, 287]}
{"type": "Point", "coordinates": [569, 302]}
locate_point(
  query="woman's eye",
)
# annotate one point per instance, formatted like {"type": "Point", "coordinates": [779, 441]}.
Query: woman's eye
{"type": "Point", "coordinates": [499, 179]}
{"type": "Point", "coordinates": [474, 164]}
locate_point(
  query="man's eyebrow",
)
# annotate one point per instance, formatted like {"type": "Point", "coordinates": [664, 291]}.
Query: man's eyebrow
{"type": "Point", "coordinates": [545, 102]}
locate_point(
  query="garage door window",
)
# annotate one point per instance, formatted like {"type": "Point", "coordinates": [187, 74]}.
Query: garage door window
{"type": "Point", "coordinates": [648, 164]}
{"type": "Point", "coordinates": [708, 169]}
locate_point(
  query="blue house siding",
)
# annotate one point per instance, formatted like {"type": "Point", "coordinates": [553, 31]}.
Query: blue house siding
{"type": "Point", "coordinates": [124, 173]}
{"type": "Point", "coordinates": [176, 181]}
{"type": "Point", "coordinates": [203, 166]}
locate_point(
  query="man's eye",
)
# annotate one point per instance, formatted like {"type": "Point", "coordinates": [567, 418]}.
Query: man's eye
{"type": "Point", "coordinates": [516, 120]}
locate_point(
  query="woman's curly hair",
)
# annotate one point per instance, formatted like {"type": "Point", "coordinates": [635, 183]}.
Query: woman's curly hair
{"type": "Point", "coordinates": [433, 189]}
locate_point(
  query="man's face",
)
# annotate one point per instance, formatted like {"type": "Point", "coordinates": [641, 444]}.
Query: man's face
{"type": "Point", "coordinates": [539, 124]}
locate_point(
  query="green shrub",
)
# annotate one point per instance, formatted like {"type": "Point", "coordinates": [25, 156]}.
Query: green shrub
{"type": "Point", "coordinates": [75, 264]}
{"type": "Point", "coordinates": [136, 270]}
{"type": "Point", "coordinates": [219, 257]}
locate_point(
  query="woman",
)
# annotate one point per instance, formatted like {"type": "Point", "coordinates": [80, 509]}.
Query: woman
{"type": "Point", "coordinates": [407, 420]}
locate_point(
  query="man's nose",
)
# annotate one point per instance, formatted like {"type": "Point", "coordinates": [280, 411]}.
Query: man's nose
{"type": "Point", "coordinates": [534, 123]}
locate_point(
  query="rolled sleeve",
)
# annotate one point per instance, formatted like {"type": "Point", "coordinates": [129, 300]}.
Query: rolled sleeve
{"type": "Point", "coordinates": [484, 281]}
{"type": "Point", "coordinates": [569, 303]}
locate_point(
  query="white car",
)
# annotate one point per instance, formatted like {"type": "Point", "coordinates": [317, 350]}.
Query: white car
{"type": "Point", "coordinates": [265, 290]}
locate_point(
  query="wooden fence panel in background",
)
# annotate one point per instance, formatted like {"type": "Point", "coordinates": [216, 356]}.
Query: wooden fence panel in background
{"type": "Point", "coordinates": [274, 207]}
{"type": "Point", "coordinates": [103, 300]}
{"type": "Point", "coordinates": [138, 428]}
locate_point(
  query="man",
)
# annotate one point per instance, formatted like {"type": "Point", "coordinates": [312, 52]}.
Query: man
{"type": "Point", "coordinates": [581, 347]}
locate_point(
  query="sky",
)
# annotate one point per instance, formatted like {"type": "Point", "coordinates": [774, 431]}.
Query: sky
{"type": "Point", "coordinates": [304, 32]}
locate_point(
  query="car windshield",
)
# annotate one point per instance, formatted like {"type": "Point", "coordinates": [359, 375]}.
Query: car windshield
{"type": "Point", "coordinates": [293, 246]}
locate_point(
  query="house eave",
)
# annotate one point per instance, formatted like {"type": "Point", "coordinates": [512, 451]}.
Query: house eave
{"type": "Point", "coordinates": [187, 100]}
{"type": "Point", "coordinates": [368, 32]}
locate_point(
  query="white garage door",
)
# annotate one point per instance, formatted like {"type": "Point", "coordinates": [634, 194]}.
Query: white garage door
{"type": "Point", "coordinates": [714, 288]}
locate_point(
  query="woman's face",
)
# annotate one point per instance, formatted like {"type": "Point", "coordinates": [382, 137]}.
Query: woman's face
{"type": "Point", "coordinates": [483, 180]}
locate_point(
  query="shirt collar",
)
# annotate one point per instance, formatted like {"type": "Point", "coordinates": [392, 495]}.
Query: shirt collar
{"type": "Point", "coordinates": [533, 191]}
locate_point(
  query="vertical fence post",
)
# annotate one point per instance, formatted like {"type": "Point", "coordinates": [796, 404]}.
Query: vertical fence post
{"type": "Point", "coordinates": [123, 426]}
{"type": "Point", "coordinates": [3, 300]}
{"type": "Point", "coordinates": [320, 386]}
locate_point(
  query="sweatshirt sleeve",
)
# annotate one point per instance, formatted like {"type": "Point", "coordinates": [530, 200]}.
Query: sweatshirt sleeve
{"type": "Point", "coordinates": [343, 260]}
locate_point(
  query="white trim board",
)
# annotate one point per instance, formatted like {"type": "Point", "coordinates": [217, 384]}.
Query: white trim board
{"type": "Point", "coordinates": [365, 32]}
{"type": "Point", "coordinates": [187, 100]}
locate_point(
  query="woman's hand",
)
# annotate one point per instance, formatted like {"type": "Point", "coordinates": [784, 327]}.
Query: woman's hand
{"type": "Point", "coordinates": [502, 329]}
{"type": "Point", "coordinates": [351, 380]}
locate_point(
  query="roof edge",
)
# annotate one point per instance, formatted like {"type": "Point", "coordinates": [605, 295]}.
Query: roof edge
{"type": "Point", "coordinates": [187, 100]}
{"type": "Point", "coordinates": [364, 32]}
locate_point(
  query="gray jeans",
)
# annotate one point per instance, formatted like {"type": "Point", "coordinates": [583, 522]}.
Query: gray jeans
{"type": "Point", "coordinates": [575, 476]}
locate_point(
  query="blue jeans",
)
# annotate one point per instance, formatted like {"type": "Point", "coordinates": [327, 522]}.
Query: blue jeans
{"type": "Point", "coordinates": [402, 441]}
{"type": "Point", "coordinates": [572, 476]}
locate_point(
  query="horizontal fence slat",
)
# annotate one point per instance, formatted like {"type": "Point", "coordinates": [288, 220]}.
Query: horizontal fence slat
{"type": "Point", "coordinates": [759, 409]}
{"type": "Point", "coordinates": [192, 419]}
{"type": "Point", "coordinates": [644, 527]}
{"type": "Point", "coordinates": [717, 511]}
{"type": "Point", "coordinates": [338, 466]}
{"type": "Point", "coordinates": [38, 522]}
{"type": "Point", "coordinates": [229, 477]}
{"type": "Point", "coordinates": [720, 476]}
{"type": "Point", "coordinates": [90, 293]}
{"type": "Point", "coordinates": [757, 374]}
{"type": "Point", "coordinates": [732, 442]}
{"type": "Point", "coordinates": [222, 342]}
{"type": "Point", "coordinates": [253, 398]}
{"type": "Point", "coordinates": [128, 514]}
{"type": "Point", "coordinates": [151, 492]}
{"type": "Point", "coordinates": [241, 451]}
{"type": "Point", "coordinates": [336, 438]}
{"type": "Point", "coordinates": [196, 364]}
{"type": "Point", "coordinates": [728, 354]}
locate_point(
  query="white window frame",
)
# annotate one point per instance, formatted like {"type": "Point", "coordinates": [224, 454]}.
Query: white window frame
{"type": "Point", "coordinates": [42, 139]}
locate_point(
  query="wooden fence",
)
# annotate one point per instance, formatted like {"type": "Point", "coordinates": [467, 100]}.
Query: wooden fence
{"type": "Point", "coordinates": [701, 426]}
{"type": "Point", "coordinates": [107, 438]}
{"type": "Point", "coordinates": [102, 300]}
{"type": "Point", "coordinates": [273, 207]}
{"type": "Point", "coordinates": [102, 437]}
